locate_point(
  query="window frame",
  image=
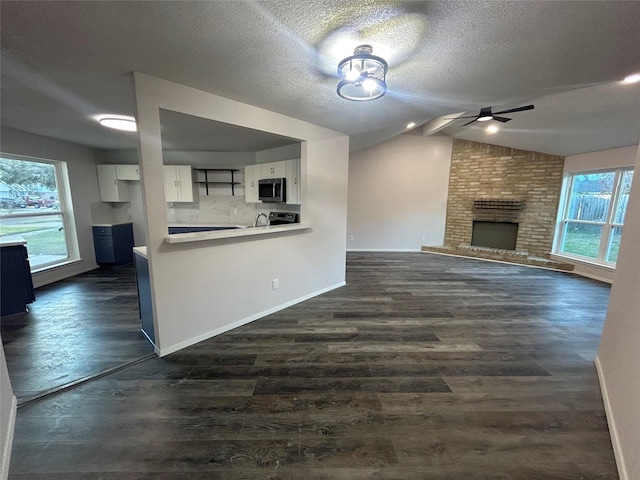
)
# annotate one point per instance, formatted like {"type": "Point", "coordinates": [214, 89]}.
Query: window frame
{"type": "Point", "coordinates": [608, 225]}
{"type": "Point", "coordinates": [65, 210]}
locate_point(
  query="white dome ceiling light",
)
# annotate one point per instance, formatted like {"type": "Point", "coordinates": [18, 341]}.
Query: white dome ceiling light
{"type": "Point", "coordinates": [118, 122]}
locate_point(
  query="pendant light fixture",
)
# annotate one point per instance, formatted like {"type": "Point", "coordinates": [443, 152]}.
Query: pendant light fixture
{"type": "Point", "coordinates": [363, 75]}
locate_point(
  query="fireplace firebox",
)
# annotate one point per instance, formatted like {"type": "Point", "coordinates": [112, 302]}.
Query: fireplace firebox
{"type": "Point", "coordinates": [502, 235]}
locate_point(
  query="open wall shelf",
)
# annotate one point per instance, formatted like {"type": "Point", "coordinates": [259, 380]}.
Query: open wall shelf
{"type": "Point", "coordinates": [232, 183]}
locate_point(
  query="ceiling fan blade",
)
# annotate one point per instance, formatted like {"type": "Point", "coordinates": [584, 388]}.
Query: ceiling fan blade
{"type": "Point", "coordinates": [469, 123]}
{"type": "Point", "coordinates": [501, 119]}
{"type": "Point", "coordinates": [456, 118]}
{"type": "Point", "coordinates": [519, 109]}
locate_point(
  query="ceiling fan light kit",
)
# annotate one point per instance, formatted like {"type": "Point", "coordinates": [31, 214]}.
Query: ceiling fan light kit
{"type": "Point", "coordinates": [363, 75]}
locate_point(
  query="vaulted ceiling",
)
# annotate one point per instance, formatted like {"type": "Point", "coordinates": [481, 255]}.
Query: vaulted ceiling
{"type": "Point", "coordinates": [63, 63]}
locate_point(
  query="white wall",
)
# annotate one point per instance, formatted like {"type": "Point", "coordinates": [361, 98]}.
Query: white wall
{"type": "Point", "coordinates": [204, 288]}
{"type": "Point", "coordinates": [606, 159]}
{"type": "Point", "coordinates": [398, 194]}
{"type": "Point", "coordinates": [8, 406]}
{"type": "Point", "coordinates": [287, 152]}
{"type": "Point", "coordinates": [84, 190]}
{"type": "Point", "coordinates": [619, 354]}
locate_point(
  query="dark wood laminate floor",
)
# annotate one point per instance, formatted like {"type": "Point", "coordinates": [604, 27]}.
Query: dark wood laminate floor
{"type": "Point", "coordinates": [422, 367]}
{"type": "Point", "coordinates": [76, 328]}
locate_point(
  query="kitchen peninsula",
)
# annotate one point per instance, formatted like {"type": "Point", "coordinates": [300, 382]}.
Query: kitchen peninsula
{"type": "Point", "coordinates": [235, 232]}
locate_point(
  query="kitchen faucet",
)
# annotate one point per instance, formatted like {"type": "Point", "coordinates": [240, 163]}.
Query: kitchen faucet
{"type": "Point", "coordinates": [261, 214]}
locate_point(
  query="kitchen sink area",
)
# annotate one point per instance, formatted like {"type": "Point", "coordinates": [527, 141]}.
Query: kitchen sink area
{"type": "Point", "coordinates": [263, 224]}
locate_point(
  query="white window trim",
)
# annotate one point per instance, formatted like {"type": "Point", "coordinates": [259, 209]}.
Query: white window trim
{"type": "Point", "coordinates": [607, 226]}
{"type": "Point", "coordinates": [65, 211]}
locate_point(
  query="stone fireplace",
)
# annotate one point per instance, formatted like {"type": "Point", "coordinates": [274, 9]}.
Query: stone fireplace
{"type": "Point", "coordinates": [515, 190]}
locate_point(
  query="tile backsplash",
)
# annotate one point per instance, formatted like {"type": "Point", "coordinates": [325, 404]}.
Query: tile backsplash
{"type": "Point", "coordinates": [211, 209]}
{"type": "Point", "coordinates": [108, 213]}
{"type": "Point", "coordinates": [223, 209]}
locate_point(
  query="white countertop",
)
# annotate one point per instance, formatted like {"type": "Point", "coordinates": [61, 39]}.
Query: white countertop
{"type": "Point", "coordinates": [142, 251]}
{"type": "Point", "coordinates": [12, 241]}
{"type": "Point", "coordinates": [108, 224]}
{"type": "Point", "coordinates": [206, 224]}
{"type": "Point", "coordinates": [235, 233]}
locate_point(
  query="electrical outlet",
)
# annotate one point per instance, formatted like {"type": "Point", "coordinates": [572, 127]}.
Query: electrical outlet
{"type": "Point", "coordinates": [351, 238]}
{"type": "Point", "coordinates": [275, 284]}
{"type": "Point", "coordinates": [424, 238]}
{"type": "Point", "coordinates": [235, 211]}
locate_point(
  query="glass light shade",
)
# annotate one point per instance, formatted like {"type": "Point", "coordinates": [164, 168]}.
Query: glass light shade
{"type": "Point", "coordinates": [363, 75]}
{"type": "Point", "coordinates": [634, 78]}
{"type": "Point", "coordinates": [119, 122]}
{"type": "Point", "coordinates": [485, 119]}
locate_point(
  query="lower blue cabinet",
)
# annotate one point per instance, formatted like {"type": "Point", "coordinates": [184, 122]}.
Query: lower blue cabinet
{"type": "Point", "coordinates": [113, 243]}
{"type": "Point", "coordinates": [143, 283]}
{"type": "Point", "coordinates": [16, 282]}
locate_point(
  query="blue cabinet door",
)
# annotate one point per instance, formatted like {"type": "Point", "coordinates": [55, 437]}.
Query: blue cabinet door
{"type": "Point", "coordinates": [103, 245]}
{"type": "Point", "coordinates": [144, 296]}
{"type": "Point", "coordinates": [16, 283]}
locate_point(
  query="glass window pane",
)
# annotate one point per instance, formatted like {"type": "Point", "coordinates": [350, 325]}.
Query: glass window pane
{"type": "Point", "coordinates": [623, 198]}
{"type": "Point", "coordinates": [27, 187]}
{"type": "Point", "coordinates": [614, 244]}
{"type": "Point", "coordinates": [581, 239]}
{"type": "Point", "coordinates": [46, 242]}
{"type": "Point", "coordinates": [591, 196]}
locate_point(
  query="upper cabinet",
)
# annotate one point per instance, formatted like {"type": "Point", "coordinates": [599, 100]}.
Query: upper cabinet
{"type": "Point", "coordinates": [179, 184]}
{"type": "Point", "coordinates": [273, 170]}
{"type": "Point", "coordinates": [128, 172]}
{"type": "Point", "coordinates": [252, 174]}
{"type": "Point", "coordinates": [292, 168]}
{"type": "Point", "coordinates": [112, 189]}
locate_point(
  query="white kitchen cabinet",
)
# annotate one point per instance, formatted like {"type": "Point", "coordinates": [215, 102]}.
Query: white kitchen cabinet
{"type": "Point", "coordinates": [127, 172]}
{"type": "Point", "coordinates": [111, 189]}
{"type": "Point", "coordinates": [273, 170]}
{"type": "Point", "coordinates": [293, 181]}
{"type": "Point", "coordinates": [179, 184]}
{"type": "Point", "coordinates": [252, 174]}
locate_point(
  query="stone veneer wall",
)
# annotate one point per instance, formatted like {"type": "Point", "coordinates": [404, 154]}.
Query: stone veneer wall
{"type": "Point", "coordinates": [481, 171]}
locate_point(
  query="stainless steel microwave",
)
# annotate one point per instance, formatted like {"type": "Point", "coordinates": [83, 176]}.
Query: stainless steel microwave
{"type": "Point", "coordinates": [272, 190]}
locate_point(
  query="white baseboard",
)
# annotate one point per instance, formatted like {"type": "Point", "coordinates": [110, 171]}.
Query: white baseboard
{"type": "Point", "coordinates": [45, 277]}
{"type": "Point", "coordinates": [243, 321]}
{"type": "Point", "coordinates": [613, 430]}
{"type": "Point", "coordinates": [8, 440]}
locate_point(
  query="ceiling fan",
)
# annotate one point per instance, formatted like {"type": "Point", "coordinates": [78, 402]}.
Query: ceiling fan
{"type": "Point", "coordinates": [486, 114]}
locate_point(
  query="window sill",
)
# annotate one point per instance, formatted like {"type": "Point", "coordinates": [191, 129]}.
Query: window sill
{"type": "Point", "coordinates": [582, 261]}
{"type": "Point", "coordinates": [57, 265]}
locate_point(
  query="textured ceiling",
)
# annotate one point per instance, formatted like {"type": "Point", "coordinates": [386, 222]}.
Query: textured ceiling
{"type": "Point", "coordinates": [65, 62]}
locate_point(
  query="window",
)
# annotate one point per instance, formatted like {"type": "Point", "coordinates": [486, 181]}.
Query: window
{"type": "Point", "coordinates": [594, 210]}
{"type": "Point", "coordinates": [33, 206]}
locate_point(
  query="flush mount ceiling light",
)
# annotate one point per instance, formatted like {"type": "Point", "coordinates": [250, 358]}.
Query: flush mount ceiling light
{"type": "Point", "coordinates": [634, 78]}
{"type": "Point", "coordinates": [119, 122]}
{"type": "Point", "coordinates": [363, 75]}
